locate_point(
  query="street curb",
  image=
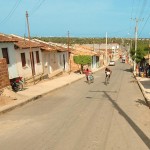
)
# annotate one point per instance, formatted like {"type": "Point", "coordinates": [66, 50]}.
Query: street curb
{"type": "Point", "coordinates": [19, 104]}
{"type": "Point", "coordinates": [143, 92]}
{"type": "Point", "coordinates": [10, 108]}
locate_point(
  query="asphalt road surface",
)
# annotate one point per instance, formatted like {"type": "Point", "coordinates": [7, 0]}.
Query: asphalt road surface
{"type": "Point", "coordinates": [81, 116]}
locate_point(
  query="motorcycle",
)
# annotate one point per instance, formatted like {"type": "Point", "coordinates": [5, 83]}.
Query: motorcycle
{"type": "Point", "coordinates": [16, 84]}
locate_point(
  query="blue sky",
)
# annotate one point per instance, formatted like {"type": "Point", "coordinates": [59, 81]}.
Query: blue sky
{"type": "Point", "coordinates": [82, 18]}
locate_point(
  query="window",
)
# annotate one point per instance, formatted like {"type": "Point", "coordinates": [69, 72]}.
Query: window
{"type": "Point", "coordinates": [5, 54]}
{"type": "Point", "coordinates": [23, 59]}
{"type": "Point", "coordinates": [37, 57]}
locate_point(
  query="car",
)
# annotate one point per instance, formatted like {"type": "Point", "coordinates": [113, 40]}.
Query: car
{"type": "Point", "coordinates": [112, 63]}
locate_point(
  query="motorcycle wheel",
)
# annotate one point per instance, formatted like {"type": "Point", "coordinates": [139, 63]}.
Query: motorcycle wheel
{"type": "Point", "coordinates": [15, 89]}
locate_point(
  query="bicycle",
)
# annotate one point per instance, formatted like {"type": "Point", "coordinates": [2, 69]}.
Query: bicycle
{"type": "Point", "coordinates": [107, 78]}
{"type": "Point", "coordinates": [90, 78]}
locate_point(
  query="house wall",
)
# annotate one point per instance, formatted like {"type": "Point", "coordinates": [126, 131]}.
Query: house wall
{"type": "Point", "coordinates": [45, 62]}
{"type": "Point", "coordinates": [63, 60]}
{"type": "Point", "coordinates": [93, 65]}
{"type": "Point", "coordinates": [12, 67]}
{"type": "Point", "coordinates": [53, 58]}
{"type": "Point", "coordinates": [74, 67]}
{"type": "Point", "coordinates": [26, 72]}
{"type": "Point", "coordinates": [102, 60]}
{"type": "Point", "coordinates": [4, 77]}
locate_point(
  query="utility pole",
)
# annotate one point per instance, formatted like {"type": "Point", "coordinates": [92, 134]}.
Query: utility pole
{"type": "Point", "coordinates": [136, 37]}
{"type": "Point", "coordinates": [106, 49]}
{"type": "Point", "coordinates": [93, 44]}
{"type": "Point", "coordinates": [69, 53]}
{"type": "Point", "coordinates": [148, 52]}
{"type": "Point", "coordinates": [31, 53]}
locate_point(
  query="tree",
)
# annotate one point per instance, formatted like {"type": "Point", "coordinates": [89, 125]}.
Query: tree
{"type": "Point", "coordinates": [142, 49]}
{"type": "Point", "coordinates": [82, 60]}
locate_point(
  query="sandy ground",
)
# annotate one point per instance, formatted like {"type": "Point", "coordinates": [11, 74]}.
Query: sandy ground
{"type": "Point", "coordinates": [7, 97]}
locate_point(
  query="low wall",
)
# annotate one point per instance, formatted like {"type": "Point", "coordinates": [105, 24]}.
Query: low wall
{"type": "Point", "coordinates": [4, 77]}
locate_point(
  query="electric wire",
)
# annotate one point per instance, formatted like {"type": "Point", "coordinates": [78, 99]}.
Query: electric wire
{"type": "Point", "coordinates": [11, 12]}
{"type": "Point", "coordinates": [140, 17]}
{"type": "Point", "coordinates": [142, 8]}
{"type": "Point", "coordinates": [138, 8]}
{"type": "Point", "coordinates": [141, 14]}
{"type": "Point", "coordinates": [142, 28]}
{"type": "Point", "coordinates": [131, 16]}
{"type": "Point", "coordinates": [144, 25]}
{"type": "Point", "coordinates": [35, 9]}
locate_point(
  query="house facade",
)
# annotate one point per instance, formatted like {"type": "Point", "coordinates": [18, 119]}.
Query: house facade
{"type": "Point", "coordinates": [54, 57]}
{"type": "Point", "coordinates": [23, 56]}
{"type": "Point", "coordinates": [83, 50]}
{"type": "Point", "coordinates": [8, 52]}
{"type": "Point", "coordinates": [28, 57]}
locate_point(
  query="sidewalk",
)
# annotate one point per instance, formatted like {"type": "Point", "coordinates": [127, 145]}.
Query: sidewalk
{"type": "Point", "coordinates": [36, 91]}
{"type": "Point", "coordinates": [144, 84]}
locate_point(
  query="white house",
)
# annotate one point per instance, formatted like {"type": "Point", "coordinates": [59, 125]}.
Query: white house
{"type": "Point", "coordinates": [23, 56]}
{"type": "Point", "coordinates": [54, 56]}
{"type": "Point", "coordinates": [7, 51]}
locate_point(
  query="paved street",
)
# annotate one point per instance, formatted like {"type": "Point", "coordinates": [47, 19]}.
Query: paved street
{"type": "Point", "coordinates": [82, 117]}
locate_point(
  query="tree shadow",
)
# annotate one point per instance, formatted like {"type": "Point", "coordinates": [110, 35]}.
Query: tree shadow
{"type": "Point", "coordinates": [141, 102]}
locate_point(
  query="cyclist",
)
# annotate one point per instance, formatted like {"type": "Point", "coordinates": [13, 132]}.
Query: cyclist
{"type": "Point", "coordinates": [87, 73]}
{"type": "Point", "coordinates": [108, 72]}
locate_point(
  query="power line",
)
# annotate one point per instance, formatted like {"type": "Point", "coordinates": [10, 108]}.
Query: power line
{"type": "Point", "coordinates": [142, 11]}
{"type": "Point", "coordinates": [142, 8]}
{"type": "Point", "coordinates": [138, 8]}
{"type": "Point", "coordinates": [132, 8]}
{"type": "Point", "coordinates": [11, 12]}
{"type": "Point", "coordinates": [37, 7]}
{"type": "Point", "coordinates": [144, 25]}
{"type": "Point", "coordinates": [131, 15]}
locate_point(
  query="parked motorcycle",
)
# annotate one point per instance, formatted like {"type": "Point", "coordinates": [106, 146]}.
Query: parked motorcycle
{"type": "Point", "coordinates": [16, 84]}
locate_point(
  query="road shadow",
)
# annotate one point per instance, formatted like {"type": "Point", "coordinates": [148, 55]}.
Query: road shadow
{"type": "Point", "coordinates": [128, 70]}
{"type": "Point", "coordinates": [105, 83]}
{"type": "Point", "coordinates": [139, 132]}
{"type": "Point", "coordinates": [24, 88]}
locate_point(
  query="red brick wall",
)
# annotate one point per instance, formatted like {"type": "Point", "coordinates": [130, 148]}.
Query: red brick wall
{"type": "Point", "coordinates": [4, 77]}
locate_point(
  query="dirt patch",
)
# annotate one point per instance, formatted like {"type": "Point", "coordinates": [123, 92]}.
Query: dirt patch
{"type": "Point", "coordinates": [4, 100]}
{"type": "Point", "coordinates": [7, 96]}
